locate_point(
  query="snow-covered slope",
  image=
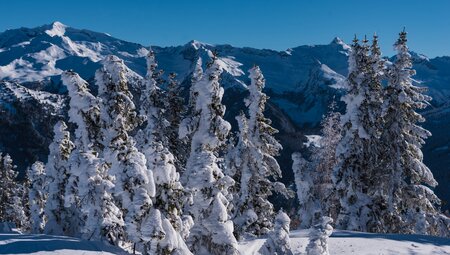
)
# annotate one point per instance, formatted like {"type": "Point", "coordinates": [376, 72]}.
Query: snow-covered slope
{"type": "Point", "coordinates": [341, 242]}
{"type": "Point", "coordinates": [346, 242]}
{"type": "Point", "coordinates": [300, 81]}
{"type": "Point", "coordinates": [12, 243]}
{"type": "Point", "coordinates": [28, 55]}
{"type": "Point", "coordinates": [27, 117]}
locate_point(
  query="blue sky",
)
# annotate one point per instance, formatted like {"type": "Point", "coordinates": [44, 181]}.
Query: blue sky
{"type": "Point", "coordinates": [256, 23]}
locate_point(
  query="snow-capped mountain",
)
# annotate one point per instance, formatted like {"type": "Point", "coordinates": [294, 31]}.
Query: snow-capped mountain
{"type": "Point", "coordinates": [300, 81]}
{"type": "Point", "coordinates": [29, 55]}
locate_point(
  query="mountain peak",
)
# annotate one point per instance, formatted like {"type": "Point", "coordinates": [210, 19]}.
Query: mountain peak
{"type": "Point", "coordinates": [338, 41]}
{"type": "Point", "coordinates": [57, 23]}
{"type": "Point", "coordinates": [418, 57]}
{"type": "Point", "coordinates": [57, 29]}
{"type": "Point", "coordinates": [197, 44]}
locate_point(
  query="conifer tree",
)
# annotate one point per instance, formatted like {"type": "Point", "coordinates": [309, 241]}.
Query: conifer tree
{"type": "Point", "coordinates": [378, 64]}
{"type": "Point", "coordinates": [377, 190]}
{"type": "Point", "coordinates": [99, 217]}
{"type": "Point", "coordinates": [318, 237]}
{"type": "Point", "coordinates": [84, 112]}
{"type": "Point", "coordinates": [57, 173]}
{"type": "Point", "coordinates": [212, 232]}
{"type": "Point", "coordinates": [7, 187]}
{"type": "Point", "coordinates": [175, 110]}
{"type": "Point", "coordinates": [352, 174]}
{"type": "Point", "coordinates": [37, 196]}
{"type": "Point", "coordinates": [278, 241]}
{"type": "Point", "coordinates": [20, 207]}
{"type": "Point", "coordinates": [313, 179]}
{"type": "Point", "coordinates": [254, 164]}
{"type": "Point", "coordinates": [305, 177]}
{"type": "Point", "coordinates": [412, 207]}
{"type": "Point", "coordinates": [324, 158]}
{"type": "Point", "coordinates": [11, 206]}
{"type": "Point", "coordinates": [169, 196]}
{"type": "Point", "coordinates": [134, 183]}
{"type": "Point", "coordinates": [23, 196]}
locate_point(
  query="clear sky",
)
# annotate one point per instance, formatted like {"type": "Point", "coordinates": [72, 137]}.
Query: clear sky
{"type": "Point", "coordinates": [273, 24]}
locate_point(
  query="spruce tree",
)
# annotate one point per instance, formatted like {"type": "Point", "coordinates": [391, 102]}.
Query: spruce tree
{"type": "Point", "coordinates": [318, 236]}
{"type": "Point", "coordinates": [352, 174]}
{"type": "Point", "coordinates": [305, 177]}
{"type": "Point", "coordinates": [134, 183]}
{"type": "Point", "coordinates": [278, 241]}
{"type": "Point", "coordinates": [23, 196]}
{"type": "Point", "coordinates": [377, 190]}
{"type": "Point", "coordinates": [12, 205]}
{"type": "Point", "coordinates": [99, 218]}
{"type": "Point", "coordinates": [7, 187]}
{"type": "Point", "coordinates": [254, 164]}
{"type": "Point", "coordinates": [175, 110]}
{"type": "Point", "coordinates": [212, 232]}
{"type": "Point", "coordinates": [412, 207]}
{"type": "Point", "coordinates": [84, 113]}
{"type": "Point", "coordinates": [20, 207]}
{"type": "Point", "coordinates": [313, 178]}
{"type": "Point", "coordinates": [324, 158]}
{"type": "Point", "coordinates": [57, 173]}
{"type": "Point", "coordinates": [169, 196]}
{"type": "Point", "coordinates": [37, 196]}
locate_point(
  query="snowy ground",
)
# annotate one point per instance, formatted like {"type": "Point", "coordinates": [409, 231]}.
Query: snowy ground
{"type": "Point", "coordinates": [345, 242]}
{"type": "Point", "coordinates": [341, 242]}
{"type": "Point", "coordinates": [44, 244]}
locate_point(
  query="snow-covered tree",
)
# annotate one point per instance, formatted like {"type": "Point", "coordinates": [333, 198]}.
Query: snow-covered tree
{"type": "Point", "coordinates": [324, 158]}
{"type": "Point", "coordinates": [57, 174]}
{"type": "Point", "coordinates": [318, 236]}
{"type": "Point", "coordinates": [102, 219]}
{"type": "Point", "coordinates": [84, 113]}
{"type": "Point", "coordinates": [20, 207]}
{"type": "Point", "coordinates": [212, 232]}
{"type": "Point", "coordinates": [7, 187]}
{"type": "Point", "coordinates": [152, 107]}
{"type": "Point", "coordinates": [37, 196]}
{"type": "Point", "coordinates": [313, 178]}
{"type": "Point", "coordinates": [253, 164]}
{"type": "Point", "coordinates": [175, 110]}
{"type": "Point", "coordinates": [359, 146]}
{"type": "Point", "coordinates": [99, 217]}
{"type": "Point", "coordinates": [134, 183]}
{"type": "Point", "coordinates": [25, 205]}
{"type": "Point", "coordinates": [169, 196]}
{"type": "Point", "coordinates": [12, 205]}
{"type": "Point", "coordinates": [377, 63]}
{"type": "Point", "coordinates": [412, 207]}
{"type": "Point", "coordinates": [378, 180]}
{"type": "Point", "coordinates": [278, 241]}
{"type": "Point", "coordinates": [309, 202]}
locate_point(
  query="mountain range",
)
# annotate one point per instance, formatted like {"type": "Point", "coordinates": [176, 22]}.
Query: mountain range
{"type": "Point", "coordinates": [301, 83]}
